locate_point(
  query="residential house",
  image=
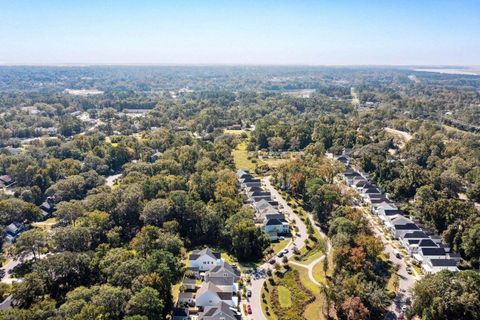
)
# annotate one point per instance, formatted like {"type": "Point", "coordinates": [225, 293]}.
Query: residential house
{"type": "Point", "coordinates": [204, 259]}
{"type": "Point", "coordinates": [349, 175]}
{"type": "Point", "coordinates": [437, 265]}
{"type": "Point", "coordinates": [222, 311]}
{"type": "Point", "coordinates": [413, 245]}
{"type": "Point", "coordinates": [186, 298]}
{"type": "Point", "coordinates": [389, 214]}
{"type": "Point", "coordinates": [13, 230]}
{"type": "Point", "coordinates": [425, 254]}
{"type": "Point", "coordinates": [278, 226]}
{"type": "Point", "coordinates": [47, 207]}
{"type": "Point", "coordinates": [5, 180]}
{"type": "Point", "coordinates": [343, 159]}
{"type": "Point", "coordinates": [400, 225]}
{"type": "Point", "coordinates": [210, 295]}
{"type": "Point", "coordinates": [189, 284]}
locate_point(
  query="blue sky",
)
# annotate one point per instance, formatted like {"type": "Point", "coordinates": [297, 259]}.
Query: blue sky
{"type": "Point", "coordinates": [408, 32]}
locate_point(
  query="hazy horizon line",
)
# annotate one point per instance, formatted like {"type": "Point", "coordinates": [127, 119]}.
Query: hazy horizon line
{"type": "Point", "coordinates": [82, 64]}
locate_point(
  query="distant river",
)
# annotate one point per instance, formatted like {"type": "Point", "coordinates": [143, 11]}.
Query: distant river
{"type": "Point", "coordinates": [452, 71]}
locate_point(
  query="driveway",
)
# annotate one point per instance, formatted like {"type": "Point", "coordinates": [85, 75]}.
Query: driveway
{"type": "Point", "coordinates": [299, 242]}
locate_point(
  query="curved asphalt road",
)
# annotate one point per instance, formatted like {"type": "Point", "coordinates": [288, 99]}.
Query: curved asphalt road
{"type": "Point", "coordinates": [299, 242]}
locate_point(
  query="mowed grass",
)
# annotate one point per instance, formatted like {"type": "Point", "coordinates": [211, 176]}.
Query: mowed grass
{"type": "Point", "coordinates": [240, 157]}
{"type": "Point", "coordinates": [229, 131]}
{"type": "Point", "coordinates": [314, 310]}
{"type": "Point", "coordinates": [279, 245]}
{"type": "Point", "coordinates": [284, 297]}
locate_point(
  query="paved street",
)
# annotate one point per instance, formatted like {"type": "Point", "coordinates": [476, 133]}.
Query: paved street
{"type": "Point", "coordinates": [299, 242]}
{"type": "Point", "coordinates": [406, 281]}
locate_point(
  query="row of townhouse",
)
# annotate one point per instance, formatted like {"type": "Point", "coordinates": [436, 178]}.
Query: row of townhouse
{"type": "Point", "coordinates": [267, 214]}
{"type": "Point", "coordinates": [210, 289]}
{"type": "Point", "coordinates": [425, 248]}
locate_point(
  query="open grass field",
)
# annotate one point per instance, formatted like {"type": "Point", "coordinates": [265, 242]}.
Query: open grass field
{"type": "Point", "coordinates": [293, 296]}
{"type": "Point", "coordinates": [314, 310]}
{"type": "Point", "coordinates": [280, 245]}
{"type": "Point", "coordinates": [240, 157]}
{"type": "Point", "coordinates": [284, 297]}
{"type": "Point", "coordinates": [228, 131]}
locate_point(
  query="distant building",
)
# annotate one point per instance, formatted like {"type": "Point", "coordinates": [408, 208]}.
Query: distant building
{"type": "Point", "coordinates": [12, 231]}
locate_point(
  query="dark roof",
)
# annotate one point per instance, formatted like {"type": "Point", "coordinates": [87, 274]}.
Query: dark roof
{"type": "Point", "coordinates": [413, 241]}
{"type": "Point", "coordinates": [415, 234]}
{"type": "Point", "coordinates": [272, 222]}
{"type": "Point", "coordinates": [225, 295]}
{"type": "Point", "coordinates": [362, 183]}
{"type": "Point", "coordinates": [351, 174]}
{"type": "Point", "coordinates": [407, 226]}
{"type": "Point", "coordinates": [381, 199]}
{"type": "Point", "coordinates": [443, 262]}
{"type": "Point", "coordinates": [427, 243]}
{"type": "Point", "coordinates": [259, 193]}
{"type": "Point", "coordinates": [433, 251]}
{"type": "Point", "coordinates": [372, 191]}
{"type": "Point", "coordinates": [180, 312]}
{"type": "Point", "coordinates": [392, 212]}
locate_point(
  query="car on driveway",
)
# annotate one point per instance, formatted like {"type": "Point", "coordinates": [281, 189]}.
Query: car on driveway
{"type": "Point", "coordinates": [285, 251]}
{"type": "Point", "coordinates": [280, 254]}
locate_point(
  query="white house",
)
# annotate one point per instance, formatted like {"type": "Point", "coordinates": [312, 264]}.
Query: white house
{"type": "Point", "coordinates": [279, 226]}
{"type": "Point", "coordinates": [425, 254]}
{"type": "Point", "coordinates": [437, 265]}
{"type": "Point", "coordinates": [204, 259]}
{"type": "Point", "coordinates": [211, 295]}
{"type": "Point", "coordinates": [224, 277]}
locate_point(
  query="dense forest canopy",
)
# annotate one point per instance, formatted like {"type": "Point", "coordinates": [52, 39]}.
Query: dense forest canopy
{"type": "Point", "coordinates": [117, 249]}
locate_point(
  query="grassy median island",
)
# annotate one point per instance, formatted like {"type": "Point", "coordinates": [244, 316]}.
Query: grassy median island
{"type": "Point", "coordinates": [291, 296]}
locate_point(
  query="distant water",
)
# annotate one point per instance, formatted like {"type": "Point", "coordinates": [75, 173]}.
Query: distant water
{"type": "Point", "coordinates": [452, 71]}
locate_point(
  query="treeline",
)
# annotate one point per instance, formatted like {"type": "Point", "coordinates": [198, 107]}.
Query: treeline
{"type": "Point", "coordinates": [115, 252]}
{"type": "Point", "coordinates": [357, 287]}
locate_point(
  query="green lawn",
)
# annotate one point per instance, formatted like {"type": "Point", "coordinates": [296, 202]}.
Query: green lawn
{"type": "Point", "coordinates": [279, 245]}
{"type": "Point", "coordinates": [284, 297]}
{"type": "Point", "coordinates": [314, 310]}
{"type": "Point", "coordinates": [240, 157]}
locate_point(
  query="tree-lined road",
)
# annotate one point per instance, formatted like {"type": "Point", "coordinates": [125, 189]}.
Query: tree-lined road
{"type": "Point", "coordinates": [299, 242]}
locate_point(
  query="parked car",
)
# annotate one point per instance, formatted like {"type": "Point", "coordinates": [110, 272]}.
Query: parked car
{"type": "Point", "coordinates": [249, 309]}
{"type": "Point", "coordinates": [280, 254]}
{"type": "Point", "coordinates": [272, 261]}
{"type": "Point", "coordinates": [249, 293]}
{"type": "Point", "coordinates": [409, 270]}
{"type": "Point", "coordinates": [397, 254]}
{"type": "Point", "coordinates": [285, 251]}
